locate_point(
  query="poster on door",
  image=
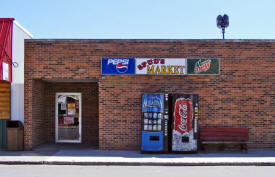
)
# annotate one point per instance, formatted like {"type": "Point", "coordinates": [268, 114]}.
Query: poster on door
{"type": "Point", "coordinates": [71, 109]}
{"type": "Point", "coordinates": [68, 120]}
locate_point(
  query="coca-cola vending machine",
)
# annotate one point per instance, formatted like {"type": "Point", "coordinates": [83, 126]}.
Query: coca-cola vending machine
{"type": "Point", "coordinates": [154, 135]}
{"type": "Point", "coordinates": [183, 112]}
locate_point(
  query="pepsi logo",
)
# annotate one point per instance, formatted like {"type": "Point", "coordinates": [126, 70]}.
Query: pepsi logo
{"type": "Point", "coordinates": [121, 65]}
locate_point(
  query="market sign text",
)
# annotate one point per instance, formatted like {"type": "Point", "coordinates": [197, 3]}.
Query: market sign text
{"type": "Point", "coordinates": [161, 66]}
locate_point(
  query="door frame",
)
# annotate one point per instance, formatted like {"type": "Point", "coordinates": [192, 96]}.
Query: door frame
{"type": "Point", "coordinates": [80, 117]}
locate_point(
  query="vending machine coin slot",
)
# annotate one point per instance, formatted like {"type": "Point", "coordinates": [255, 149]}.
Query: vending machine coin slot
{"type": "Point", "coordinates": [185, 139]}
{"type": "Point", "coordinates": [154, 138]}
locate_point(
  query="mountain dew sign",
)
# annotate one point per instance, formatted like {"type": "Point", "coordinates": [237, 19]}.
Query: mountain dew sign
{"type": "Point", "coordinates": [203, 66]}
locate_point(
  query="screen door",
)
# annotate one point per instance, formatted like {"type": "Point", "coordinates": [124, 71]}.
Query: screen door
{"type": "Point", "coordinates": [68, 117]}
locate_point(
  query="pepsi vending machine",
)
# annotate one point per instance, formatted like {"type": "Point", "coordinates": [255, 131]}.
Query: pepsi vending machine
{"type": "Point", "coordinates": [154, 135]}
{"type": "Point", "coordinates": [184, 122]}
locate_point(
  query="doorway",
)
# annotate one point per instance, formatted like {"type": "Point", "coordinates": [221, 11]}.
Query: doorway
{"type": "Point", "coordinates": [68, 118]}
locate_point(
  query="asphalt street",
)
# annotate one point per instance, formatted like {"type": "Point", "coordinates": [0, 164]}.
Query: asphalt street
{"type": "Point", "coordinates": [135, 171]}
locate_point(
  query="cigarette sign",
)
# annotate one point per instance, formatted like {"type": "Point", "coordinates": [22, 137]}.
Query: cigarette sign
{"type": "Point", "coordinates": [161, 66]}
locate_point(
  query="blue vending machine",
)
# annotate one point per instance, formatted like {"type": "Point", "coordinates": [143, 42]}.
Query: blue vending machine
{"type": "Point", "coordinates": [154, 135]}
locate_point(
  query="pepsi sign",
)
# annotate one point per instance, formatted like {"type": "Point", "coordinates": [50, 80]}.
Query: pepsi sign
{"type": "Point", "coordinates": [118, 66]}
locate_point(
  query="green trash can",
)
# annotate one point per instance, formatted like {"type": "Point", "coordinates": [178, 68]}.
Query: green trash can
{"type": "Point", "coordinates": [3, 134]}
{"type": "Point", "coordinates": [14, 135]}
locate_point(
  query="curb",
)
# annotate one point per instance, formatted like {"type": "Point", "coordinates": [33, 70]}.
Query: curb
{"type": "Point", "coordinates": [138, 163]}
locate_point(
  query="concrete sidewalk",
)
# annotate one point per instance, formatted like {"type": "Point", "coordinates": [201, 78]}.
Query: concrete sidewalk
{"type": "Point", "coordinates": [85, 155]}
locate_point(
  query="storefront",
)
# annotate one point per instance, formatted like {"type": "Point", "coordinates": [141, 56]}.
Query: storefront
{"type": "Point", "coordinates": [12, 36]}
{"type": "Point", "coordinates": [6, 29]}
{"type": "Point", "coordinates": [71, 97]}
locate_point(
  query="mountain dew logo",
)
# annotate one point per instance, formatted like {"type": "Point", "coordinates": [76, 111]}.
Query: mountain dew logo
{"type": "Point", "coordinates": [202, 66]}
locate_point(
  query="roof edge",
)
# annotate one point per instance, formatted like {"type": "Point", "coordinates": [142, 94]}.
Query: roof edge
{"type": "Point", "coordinates": [23, 29]}
{"type": "Point", "coordinates": [6, 19]}
{"type": "Point", "coordinates": [159, 40]}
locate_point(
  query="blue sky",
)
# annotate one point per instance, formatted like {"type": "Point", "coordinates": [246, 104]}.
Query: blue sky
{"type": "Point", "coordinates": [142, 19]}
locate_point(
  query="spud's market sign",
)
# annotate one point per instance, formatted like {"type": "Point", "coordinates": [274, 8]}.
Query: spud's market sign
{"type": "Point", "coordinates": [160, 66]}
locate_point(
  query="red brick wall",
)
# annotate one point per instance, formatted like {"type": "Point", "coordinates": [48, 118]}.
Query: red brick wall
{"type": "Point", "coordinates": [38, 113]}
{"type": "Point", "coordinates": [241, 96]}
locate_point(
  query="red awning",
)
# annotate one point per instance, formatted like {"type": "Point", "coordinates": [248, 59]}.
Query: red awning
{"type": "Point", "coordinates": [6, 27]}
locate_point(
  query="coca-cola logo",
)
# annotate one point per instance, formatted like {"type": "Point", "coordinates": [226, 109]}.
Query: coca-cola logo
{"type": "Point", "coordinates": [201, 66]}
{"type": "Point", "coordinates": [183, 116]}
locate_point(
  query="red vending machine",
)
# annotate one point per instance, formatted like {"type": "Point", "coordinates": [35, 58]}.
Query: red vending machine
{"type": "Point", "coordinates": [183, 113]}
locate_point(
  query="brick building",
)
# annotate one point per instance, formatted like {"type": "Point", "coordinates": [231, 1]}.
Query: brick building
{"type": "Point", "coordinates": [241, 95]}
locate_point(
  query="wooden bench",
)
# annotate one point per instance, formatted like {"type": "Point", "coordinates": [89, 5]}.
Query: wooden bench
{"type": "Point", "coordinates": [224, 136]}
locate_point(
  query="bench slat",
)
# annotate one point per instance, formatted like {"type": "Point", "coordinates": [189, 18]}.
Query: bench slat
{"type": "Point", "coordinates": [223, 142]}
{"type": "Point", "coordinates": [225, 129]}
{"type": "Point", "coordinates": [223, 134]}
{"type": "Point", "coordinates": [213, 138]}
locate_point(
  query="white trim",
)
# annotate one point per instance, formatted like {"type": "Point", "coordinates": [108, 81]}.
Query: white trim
{"type": "Point", "coordinates": [80, 117]}
{"type": "Point", "coordinates": [23, 29]}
